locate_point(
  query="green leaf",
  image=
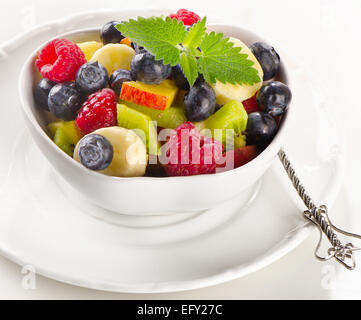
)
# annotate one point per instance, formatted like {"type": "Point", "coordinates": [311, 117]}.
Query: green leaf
{"type": "Point", "coordinates": [195, 51]}
{"type": "Point", "coordinates": [220, 60]}
{"type": "Point", "coordinates": [189, 68]}
{"type": "Point", "coordinates": [195, 34]}
{"type": "Point", "coordinates": [161, 37]}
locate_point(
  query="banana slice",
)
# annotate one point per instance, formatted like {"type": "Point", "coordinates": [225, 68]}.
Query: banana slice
{"type": "Point", "coordinates": [114, 56]}
{"type": "Point", "coordinates": [89, 48]}
{"type": "Point", "coordinates": [226, 92]}
{"type": "Point", "coordinates": [130, 154]}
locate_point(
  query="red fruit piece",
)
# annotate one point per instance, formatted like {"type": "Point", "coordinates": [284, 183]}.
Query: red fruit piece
{"type": "Point", "coordinates": [60, 60]}
{"type": "Point", "coordinates": [237, 158]}
{"type": "Point", "coordinates": [251, 104]}
{"type": "Point", "coordinates": [99, 111]}
{"type": "Point", "coordinates": [188, 152]}
{"type": "Point", "coordinates": [188, 17]}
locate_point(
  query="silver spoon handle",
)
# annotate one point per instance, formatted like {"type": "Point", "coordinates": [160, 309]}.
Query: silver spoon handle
{"type": "Point", "coordinates": [318, 215]}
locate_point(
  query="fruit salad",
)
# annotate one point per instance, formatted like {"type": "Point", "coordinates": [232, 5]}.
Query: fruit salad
{"type": "Point", "coordinates": [161, 96]}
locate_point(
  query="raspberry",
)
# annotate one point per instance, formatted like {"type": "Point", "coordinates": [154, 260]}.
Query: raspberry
{"type": "Point", "coordinates": [60, 60]}
{"type": "Point", "coordinates": [188, 17]}
{"type": "Point", "coordinates": [99, 111]}
{"type": "Point", "coordinates": [251, 104]}
{"type": "Point", "coordinates": [237, 158]}
{"type": "Point", "coordinates": [189, 153]}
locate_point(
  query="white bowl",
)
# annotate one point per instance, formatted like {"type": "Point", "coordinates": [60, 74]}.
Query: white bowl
{"type": "Point", "coordinates": [148, 195]}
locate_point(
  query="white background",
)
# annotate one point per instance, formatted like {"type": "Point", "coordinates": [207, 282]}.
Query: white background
{"type": "Point", "coordinates": [324, 34]}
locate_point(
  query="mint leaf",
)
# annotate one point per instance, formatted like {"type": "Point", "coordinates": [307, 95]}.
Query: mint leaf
{"type": "Point", "coordinates": [195, 51]}
{"type": "Point", "coordinates": [195, 34]}
{"type": "Point", "coordinates": [188, 64]}
{"type": "Point", "coordinates": [220, 60]}
{"type": "Point", "coordinates": [160, 37]}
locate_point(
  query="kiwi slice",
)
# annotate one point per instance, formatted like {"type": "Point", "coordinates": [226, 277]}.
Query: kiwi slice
{"type": "Point", "coordinates": [69, 128]}
{"type": "Point", "coordinates": [230, 116]}
{"type": "Point", "coordinates": [170, 118]}
{"type": "Point", "coordinates": [142, 124]}
{"type": "Point", "coordinates": [62, 141]}
{"type": "Point", "coordinates": [65, 134]}
{"type": "Point", "coordinates": [239, 141]}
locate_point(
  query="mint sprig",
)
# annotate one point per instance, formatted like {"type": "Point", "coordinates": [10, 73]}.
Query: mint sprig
{"type": "Point", "coordinates": [221, 61]}
{"type": "Point", "coordinates": [195, 35]}
{"type": "Point", "coordinates": [196, 51]}
{"type": "Point", "coordinates": [160, 37]}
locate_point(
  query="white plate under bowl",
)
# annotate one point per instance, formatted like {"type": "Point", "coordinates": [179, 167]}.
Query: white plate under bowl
{"type": "Point", "coordinates": [42, 224]}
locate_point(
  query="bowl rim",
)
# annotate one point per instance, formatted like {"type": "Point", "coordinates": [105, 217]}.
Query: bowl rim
{"type": "Point", "coordinates": [262, 157]}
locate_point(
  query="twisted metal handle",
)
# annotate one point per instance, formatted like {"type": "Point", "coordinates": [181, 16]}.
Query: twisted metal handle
{"type": "Point", "coordinates": [318, 215]}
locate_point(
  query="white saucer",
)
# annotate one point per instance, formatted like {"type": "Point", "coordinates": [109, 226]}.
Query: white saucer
{"type": "Point", "coordinates": [42, 224]}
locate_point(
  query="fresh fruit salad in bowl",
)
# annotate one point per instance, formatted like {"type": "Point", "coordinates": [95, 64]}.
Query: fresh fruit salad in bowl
{"type": "Point", "coordinates": [112, 99]}
{"type": "Point", "coordinates": [157, 97]}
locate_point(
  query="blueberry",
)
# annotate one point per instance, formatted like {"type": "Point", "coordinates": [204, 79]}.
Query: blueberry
{"type": "Point", "coordinates": [146, 69]}
{"type": "Point", "coordinates": [137, 48]}
{"type": "Point", "coordinates": [117, 79]}
{"type": "Point", "coordinates": [199, 102]}
{"type": "Point", "coordinates": [274, 98]}
{"type": "Point", "coordinates": [260, 130]}
{"type": "Point", "coordinates": [268, 59]}
{"type": "Point", "coordinates": [91, 77]}
{"type": "Point", "coordinates": [110, 34]}
{"type": "Point", "coordinates": [65, 100]}
{"type": "Point", "coordinates": [217, 108]}
{"type": "Point", "coordinates": [180, 80]}
{"type": "Point", "coordinates": [200, 79]}
{"type": "Point", "coordinates": [41, 92]}
{"type": "Point", "coordinates": [95, 152]}
{"type": "Point", "coordinates": [277, 109]}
